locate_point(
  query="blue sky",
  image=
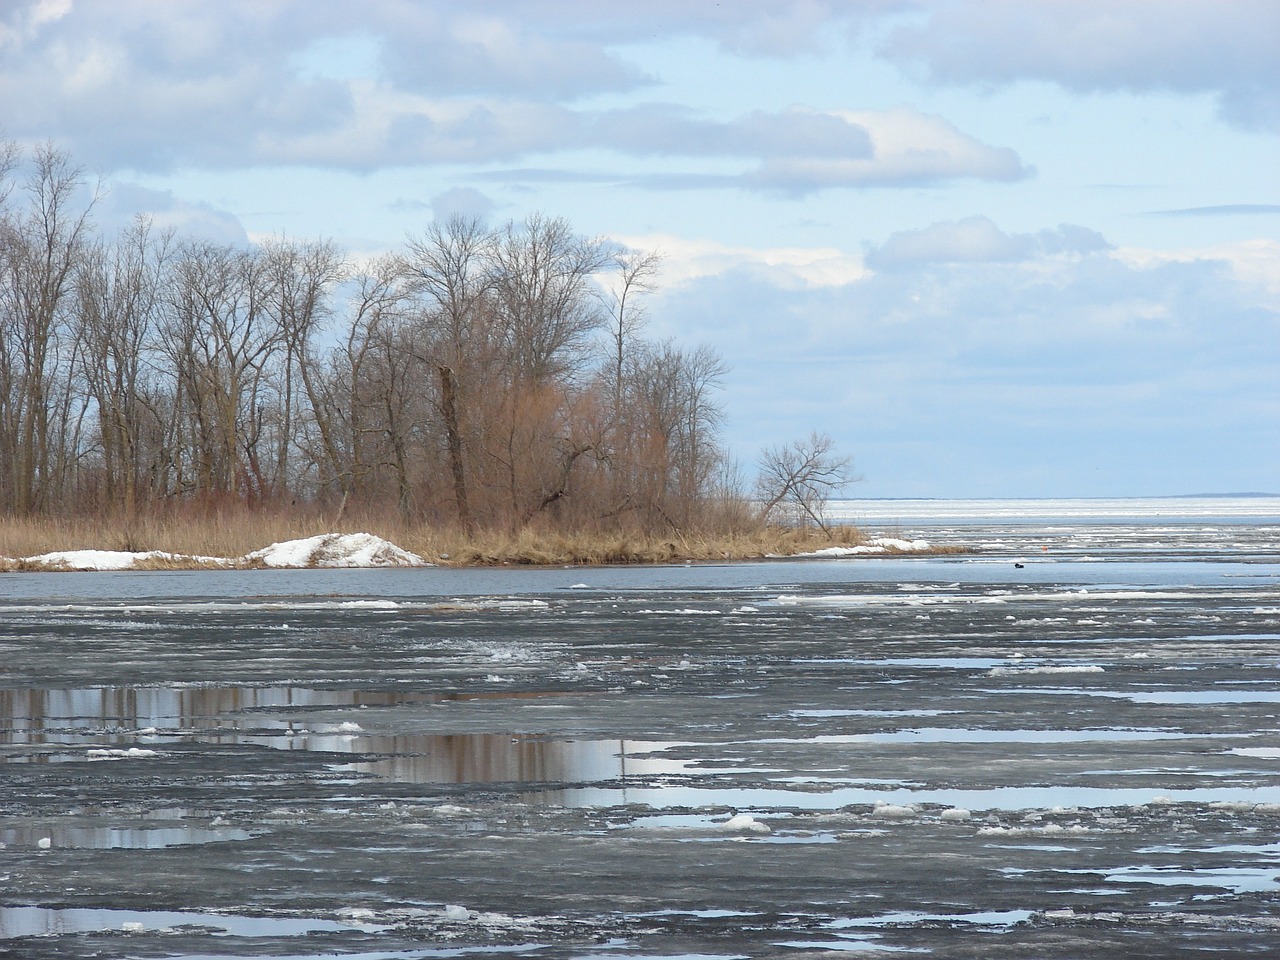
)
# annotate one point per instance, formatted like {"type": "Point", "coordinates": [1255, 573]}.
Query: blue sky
{"type": "Point", "coordinates": [992, 247]}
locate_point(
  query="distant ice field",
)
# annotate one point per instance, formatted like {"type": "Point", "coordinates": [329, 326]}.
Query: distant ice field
{"type": "Point", "coordinates": [1242, 528]}
{"type": "Point", "coordinates": [1139, 510]}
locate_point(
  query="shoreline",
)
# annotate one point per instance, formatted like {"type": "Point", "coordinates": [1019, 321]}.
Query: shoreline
{"type": "Point", "coordinates": [375, 553]}
{"type": "Point", "coordinates": [365, 550]}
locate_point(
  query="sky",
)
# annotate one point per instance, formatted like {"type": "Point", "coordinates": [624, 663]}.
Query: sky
{"type": "Point", "coordinates": [993, 248]}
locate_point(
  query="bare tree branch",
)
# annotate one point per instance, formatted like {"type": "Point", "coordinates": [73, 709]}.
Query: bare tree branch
{"type": "Point", "coordinates": [802, 476]}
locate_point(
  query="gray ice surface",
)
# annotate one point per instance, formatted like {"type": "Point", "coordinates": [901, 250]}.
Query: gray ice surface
{"type": "Point", "coordinates": [949, 757]}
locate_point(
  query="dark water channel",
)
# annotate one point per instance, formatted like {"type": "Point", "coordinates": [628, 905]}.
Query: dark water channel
{"type": "Point", "coordinates": [942, 757]}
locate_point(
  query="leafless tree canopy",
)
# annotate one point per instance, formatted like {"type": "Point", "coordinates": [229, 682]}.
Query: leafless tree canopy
{"type": "Point", "coordinates": [798, 479]}
{"type": "Point", "coordinates": [493, 377]}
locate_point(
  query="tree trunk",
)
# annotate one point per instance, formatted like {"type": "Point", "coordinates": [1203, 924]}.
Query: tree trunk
{"type": "Point", "coordinates": [449, 406]}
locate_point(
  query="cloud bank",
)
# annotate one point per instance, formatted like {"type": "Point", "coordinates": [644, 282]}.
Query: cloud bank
{"type": "Point", "coordinates": [1094, 370]}
{"type": "Point", "coordinates": [180, 85]}
{"type": "Point", "coordinates": [1186, 47]}
{"type": "Point", "coordinates": [977, 239]}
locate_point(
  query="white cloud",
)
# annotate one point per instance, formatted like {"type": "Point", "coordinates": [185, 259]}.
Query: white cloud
{"type": "Point", "coordinates": [458, 51]}
{"type": "Point", "coordinates": [977, 239]}
{"type": "Point", "coordinates": [913, 146]}
{"type": "Point", "coordinates": [1254, 263]}
{"type": "Point", "coordinates": [123, 202]}
{"type": "Point", "coordinates": [973, 238]}
{"type": "Point", "coordinates": [758, 28]}
{"type": "Point", "coordinates": [908, 148]}
{"type": "Point", "coordinates": [464, 202]}
{"type": "Point", "coordinates": [1227, 49]}
{"type": "Point", "coordinates": [685, 260]}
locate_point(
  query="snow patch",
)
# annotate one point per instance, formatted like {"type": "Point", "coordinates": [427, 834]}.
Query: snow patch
{"type": "Point", "coordinates": [325, 550]}
{"type": "Point", "coordinates": [115, 559]}
{"type": "Point", "coordinates": [874, 545]}
{"type": "Point", "coordinates": [335, 550]}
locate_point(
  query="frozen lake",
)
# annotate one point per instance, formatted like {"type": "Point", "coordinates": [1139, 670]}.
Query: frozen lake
{"type": "Point", "coordinates": [1064, 744]}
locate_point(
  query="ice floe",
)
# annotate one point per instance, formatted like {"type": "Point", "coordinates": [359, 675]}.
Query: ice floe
{"type": "Point", "coordinates": [745, 823]}
{"type": "Point", "coordinates": [893, 811]}
{"type": "Point", "coordinates": [1024, 671]}
{"type": "Point", "coordinates": [111, 753]}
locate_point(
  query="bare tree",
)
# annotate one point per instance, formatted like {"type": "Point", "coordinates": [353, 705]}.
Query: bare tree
{"type": "Point", "coordinates": [802, 476]}
{"type": "Point", "coordinates": [545, 296]}
{"type": "Point", "coordinates": [635, 274]}
{"type": "Point", "coordinates": [39, 248]}
{"type": "Point", "coordinates": [672, 425]}
{"type": "Point", "coordinates": [118, 291]}
{"type": "Point", "coordinates": [451, 272]}
{"type": "Point", "coordinates": [355, 412]}
{"type": "Point", "coordinates": [300, 278]}
{"type": "Point", "coordinates": [223, 341]}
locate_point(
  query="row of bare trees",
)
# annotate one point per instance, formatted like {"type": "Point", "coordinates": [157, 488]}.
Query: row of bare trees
{"type": "Point", "coordinates": [485, 377]}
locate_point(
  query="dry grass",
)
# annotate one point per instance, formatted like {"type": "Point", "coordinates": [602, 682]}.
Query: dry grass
{"type": "Point", "coordinates": [540, 547]}
{"type": "Point", "coordinates": [233, 534]}
{"type": "Point", "coordinates": [217, 535]}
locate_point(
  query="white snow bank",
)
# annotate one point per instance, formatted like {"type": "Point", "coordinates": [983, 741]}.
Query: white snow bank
{"type": "Point", "coordinates": [91, 559]}
{"type": "Point", "coordinates": [325, 550]}
{"type": "Point", "coordinates": [114, 559]}
{"type": "Point", "coordinates": [874, 545]}
{"type": "Point", "coordinates": [335, 550]}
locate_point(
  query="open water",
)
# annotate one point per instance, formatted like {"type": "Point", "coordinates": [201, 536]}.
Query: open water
{"type": "Point", "coordinates": [1065, 743]}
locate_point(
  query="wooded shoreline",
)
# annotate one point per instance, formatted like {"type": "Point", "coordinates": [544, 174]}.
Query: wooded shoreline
{"type": "Point", "coordinates": [480, 378]}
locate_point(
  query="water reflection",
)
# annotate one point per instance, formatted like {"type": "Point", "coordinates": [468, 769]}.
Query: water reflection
{"type": "Point", "coordinates": [94, 716]}
{"type": "Point", "coordinates": [18, 922]}
{"type": "Point", "coordinates": [118, 838]}
{"type": "Point", "coordinates": [490, 758]}
{"type": "Point", "coordinates": [66, 715]}
{"type": "Point", "coordinates": [283, 718]}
